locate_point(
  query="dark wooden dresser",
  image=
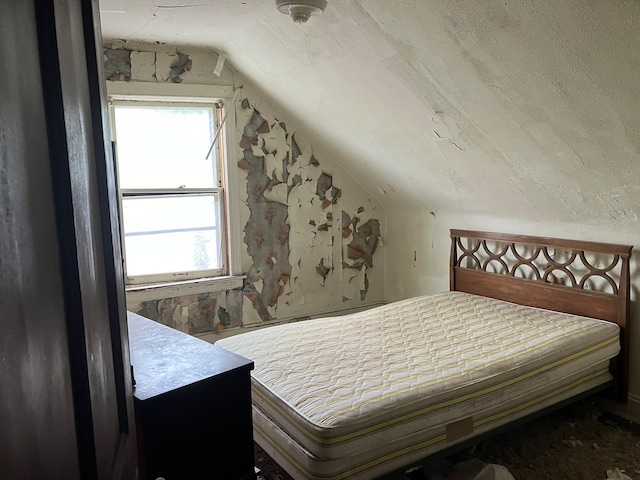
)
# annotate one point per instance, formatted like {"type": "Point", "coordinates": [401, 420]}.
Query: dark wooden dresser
{"type": "Point", "coordinates": [192, 404]}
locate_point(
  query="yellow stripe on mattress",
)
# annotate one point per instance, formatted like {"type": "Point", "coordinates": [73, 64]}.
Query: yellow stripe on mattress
{"type": "Point", "coordinates": [432, 408]}
{"type": "Point", "coordinates": [441, 438]}
{"type": "Point", "coordinates": [541, 398]}
{"type": "Point", "coordinates": [360, 468]}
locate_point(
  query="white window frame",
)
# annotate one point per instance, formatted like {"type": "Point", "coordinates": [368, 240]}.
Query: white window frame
{"type": "Point", "coordinates": [161, 286]}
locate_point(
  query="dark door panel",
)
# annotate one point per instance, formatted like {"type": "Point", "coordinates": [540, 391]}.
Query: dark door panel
{"type": "Point", "coordinates": [66, 406]}
{"type": "Point", "coordinates": [37, 419]}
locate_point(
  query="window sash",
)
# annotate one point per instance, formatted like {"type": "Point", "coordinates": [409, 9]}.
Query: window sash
{"type": "Point", "coordinates": [222, 235]}
{"type": "Point", "coordinates": [175, 274]}
{"type": "Point", "coordinates": [215, 107]}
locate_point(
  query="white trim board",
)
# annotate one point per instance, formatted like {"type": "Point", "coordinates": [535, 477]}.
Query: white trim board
{"type": "Point", "coordinates": [155, 91]}
{"type": "Point", "coordinates": [140, 293]}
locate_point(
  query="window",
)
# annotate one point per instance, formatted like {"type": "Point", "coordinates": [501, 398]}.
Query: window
{"type": "Point", "coordinates": [171, 189]}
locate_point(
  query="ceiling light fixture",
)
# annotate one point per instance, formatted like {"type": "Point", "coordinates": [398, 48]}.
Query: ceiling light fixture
{"type": "Point", "coordinates": [301, 10]}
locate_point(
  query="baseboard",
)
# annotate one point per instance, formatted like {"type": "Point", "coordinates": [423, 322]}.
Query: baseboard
{"type": "Point", "coordinates": [629, 410]}
{"type": "Point", "coordinates": [634, 407]}
{"type": "Point", "coordinates": [212, 337]}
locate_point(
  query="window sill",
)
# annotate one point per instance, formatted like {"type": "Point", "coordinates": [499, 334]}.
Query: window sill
{"type": "Point", "coordinates": [156, 291]}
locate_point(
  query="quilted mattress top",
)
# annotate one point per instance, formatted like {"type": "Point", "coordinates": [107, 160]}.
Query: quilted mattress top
{"type": "Point", "coordinates": [355, 368]}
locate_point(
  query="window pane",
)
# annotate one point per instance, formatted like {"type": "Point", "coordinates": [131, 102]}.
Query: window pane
{"type": "Point", "coordinates": [171, 233]}
{"type": "Point", "coordinates": [165, 147]}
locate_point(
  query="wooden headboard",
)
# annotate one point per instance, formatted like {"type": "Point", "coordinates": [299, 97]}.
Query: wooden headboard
{"type": "Point", "coordinates": [582, 278]}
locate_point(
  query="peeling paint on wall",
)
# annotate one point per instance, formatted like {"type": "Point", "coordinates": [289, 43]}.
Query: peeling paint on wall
{"type": "Point", "coordinates": [125, 64]}
{"type": "Point", "coordinates": [322, 270]}
{"type": "Point", "coordinates": [183, 64]}
{"type": "Point", "coordinates": [360, 240]}
{"type": "Point", "coordinates": [290, 232]}
{"type": "Point", "coordinates": [267, 231]}
{"type": "Point", "coordinates": [196, 314]}
{"type": "Point", "coordinates": [364, 242]}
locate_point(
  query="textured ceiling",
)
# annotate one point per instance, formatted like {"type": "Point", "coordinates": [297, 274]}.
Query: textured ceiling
{"type": "Point", "coordinates": [528, 108]}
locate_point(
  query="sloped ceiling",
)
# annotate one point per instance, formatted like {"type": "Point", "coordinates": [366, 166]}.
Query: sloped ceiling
{"type": "Point", "coordinates": [527, 108]}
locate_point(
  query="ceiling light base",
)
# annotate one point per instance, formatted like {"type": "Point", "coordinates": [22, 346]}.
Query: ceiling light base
{"type": "Point", "coordinates": [301, 10]}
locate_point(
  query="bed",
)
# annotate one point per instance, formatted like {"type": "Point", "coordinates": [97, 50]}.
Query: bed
{"type": "Point", "coordinates": [529, 324]}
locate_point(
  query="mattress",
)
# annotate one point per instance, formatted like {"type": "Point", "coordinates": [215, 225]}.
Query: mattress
{"type": "Point", "coordinates": [358, 395]}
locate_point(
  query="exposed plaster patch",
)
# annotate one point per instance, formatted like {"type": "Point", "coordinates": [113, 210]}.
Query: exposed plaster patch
{"type": "Point", "coordinates": [267, 231]}
{"type": "Point", "coordinates": [365, 242]}
{"type": "Point", "coordinates": [145, 66]}
{"type": "Point", "coordinates": [196, 314]}
{"type": "Point", "coordinates": [326, 191]}
{"type": "Point", "coordinates": [245, 165]}
{"type": "Point", "coordinates": [182, 65]}
{"type": "Point", "coordinates": [346, 225]}
{"type": "Point", "coordinates": [233, 304]}
{"type": "Point", "coordinates": [117, 64]}
{"type": "Point", "coordinates": [201, 313]}
{"type": "Point", "coordinates": [360, 240]}
{"type": "Point", "coordinates": [322, 270]}
{"type": "Point", "coordinates": [251, 130]}
{"type": "Point", "coordinates": [164, 62]}
{"type": "Point", "coordinates": [149, 309]}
